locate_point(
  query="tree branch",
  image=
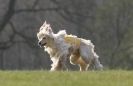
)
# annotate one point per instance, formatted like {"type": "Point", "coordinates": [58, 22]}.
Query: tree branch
{"type": "Point", "coordinates": [35, 4]}
{"type": "Point", "coordinates": [8, 14]}
{"type": "Point", "coordinates": [37, 10]}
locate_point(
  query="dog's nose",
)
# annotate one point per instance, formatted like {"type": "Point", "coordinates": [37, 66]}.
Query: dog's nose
{"type": "Point", "coordinates": [39, 43]}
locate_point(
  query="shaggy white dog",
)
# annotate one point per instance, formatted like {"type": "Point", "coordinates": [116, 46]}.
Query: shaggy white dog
{"type": "Point", "coordinates": [61, 46]}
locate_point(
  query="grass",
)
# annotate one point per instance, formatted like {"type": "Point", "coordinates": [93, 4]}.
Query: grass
{"type": "Point", "coordinates": [73, 78]}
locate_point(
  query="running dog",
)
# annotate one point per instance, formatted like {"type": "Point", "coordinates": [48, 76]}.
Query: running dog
{"type": "Point", "coordinates": [62, 46]}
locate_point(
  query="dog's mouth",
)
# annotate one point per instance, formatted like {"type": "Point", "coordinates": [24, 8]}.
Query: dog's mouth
{"type": "Point", "coordinates": [43, 44]}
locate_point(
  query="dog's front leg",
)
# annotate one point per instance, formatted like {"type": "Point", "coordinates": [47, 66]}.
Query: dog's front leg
{"type": "Point", "coordinates": [59, 64]}
{"type": "Point", "coordinates": [63, 61]}
{"type": "Point", "coordinates": [56, 65]}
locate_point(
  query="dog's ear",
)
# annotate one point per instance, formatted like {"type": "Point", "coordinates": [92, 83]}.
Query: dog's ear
{"type": "Point", "coordinates": [44, 23]}
{"type": "Point", "coordinates": [49, 29]}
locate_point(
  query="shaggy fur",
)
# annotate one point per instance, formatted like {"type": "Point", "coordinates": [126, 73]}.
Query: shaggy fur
{"type": "Point", "coordinates": [61, 46]}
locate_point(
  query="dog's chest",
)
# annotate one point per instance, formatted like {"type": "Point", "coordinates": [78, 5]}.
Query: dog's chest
{"type": "Point", "coordinates": [53, 52]}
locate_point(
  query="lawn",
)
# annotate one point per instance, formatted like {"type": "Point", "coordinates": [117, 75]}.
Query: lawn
{"type": "Point", "coordinates": [68, 78]}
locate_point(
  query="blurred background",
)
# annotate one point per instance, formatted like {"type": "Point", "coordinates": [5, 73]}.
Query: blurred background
{"type": "Point", "coordinates": [107, 23]}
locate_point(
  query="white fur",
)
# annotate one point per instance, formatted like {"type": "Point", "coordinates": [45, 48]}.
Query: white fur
{"type": "Point", "coordinates": [59, 49]}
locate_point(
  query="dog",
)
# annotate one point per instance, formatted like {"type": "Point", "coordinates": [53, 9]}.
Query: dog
{"type": "Point", "coordinates": [61, 46]}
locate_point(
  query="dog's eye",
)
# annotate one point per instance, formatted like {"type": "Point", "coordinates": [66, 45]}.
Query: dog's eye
{"type": "Point", "coordinates": [44, 37]}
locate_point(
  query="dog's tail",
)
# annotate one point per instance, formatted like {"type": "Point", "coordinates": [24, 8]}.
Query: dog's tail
{"type": "Point", "coordinates": [97, 64]}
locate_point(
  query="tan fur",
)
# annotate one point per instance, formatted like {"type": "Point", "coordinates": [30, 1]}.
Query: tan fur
{"type": "Point", "coordinates": [76, 59]}
{"type": "Point", "coordinates": [73, 40]}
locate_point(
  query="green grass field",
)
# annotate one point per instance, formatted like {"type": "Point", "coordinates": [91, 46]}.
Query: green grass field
{"type": "Point", "coordinates": [71, 78]}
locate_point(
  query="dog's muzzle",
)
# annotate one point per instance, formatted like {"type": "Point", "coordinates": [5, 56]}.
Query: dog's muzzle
{"type": "Point", "coordinates": [41, 44]}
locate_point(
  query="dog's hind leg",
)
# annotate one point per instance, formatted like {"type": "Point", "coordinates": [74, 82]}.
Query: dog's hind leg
{"type": "Point", "coordinates": [74, 55]}
{"type": "Point", "coordinates": [83, 66]}
{"type": "Point", "coordinates": [79, 61]}
{"type": "Point", "coordinates": [76, 59]}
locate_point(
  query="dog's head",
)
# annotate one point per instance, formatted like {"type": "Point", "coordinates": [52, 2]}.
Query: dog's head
{"type": "Point", "coordinates": [45, 35]}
